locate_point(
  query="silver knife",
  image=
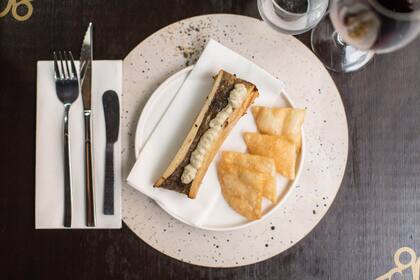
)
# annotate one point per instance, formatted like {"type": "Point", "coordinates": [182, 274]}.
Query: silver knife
{"type": "Point", "coordinates": [86, 57]}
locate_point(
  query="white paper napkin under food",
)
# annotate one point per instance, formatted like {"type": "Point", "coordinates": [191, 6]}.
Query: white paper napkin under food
{"type": "Point", "coordinates": [170, 132]}
{"type": "Point", "coordinates": [49, 182]}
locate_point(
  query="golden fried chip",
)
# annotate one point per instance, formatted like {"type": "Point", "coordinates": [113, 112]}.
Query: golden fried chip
{"type": "Point", "coordinates": [278, 148]}
{"type": "Point", "coordinates": [256, 163]}
{"type": "Point", "coordinates": [280, 121]}
{"type": "Point", "coordinates": [242, 189]}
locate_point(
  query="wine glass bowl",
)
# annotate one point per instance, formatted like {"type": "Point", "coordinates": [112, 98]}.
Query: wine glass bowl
{"type": "Point", "coordinates": [356, 29]}
{"type": "Point", "coordinates": [379, 25]}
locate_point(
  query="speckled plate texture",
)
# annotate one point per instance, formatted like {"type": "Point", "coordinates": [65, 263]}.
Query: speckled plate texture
{"type": "Point", "coordinates": [309, 86]}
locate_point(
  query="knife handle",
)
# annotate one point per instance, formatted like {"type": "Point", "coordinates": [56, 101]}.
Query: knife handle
{"type": "Point", "coordinates": [67, 170]}
{"type": "Point", "coordinates": [109, 180]}
{"type": "Point", "coordinates": [90, 201]}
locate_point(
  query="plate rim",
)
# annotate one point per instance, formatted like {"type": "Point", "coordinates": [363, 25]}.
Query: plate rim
{"type": "Point", "coordinates": [153, 97]}
{"type": "Point", "coordinates": [140, 128]}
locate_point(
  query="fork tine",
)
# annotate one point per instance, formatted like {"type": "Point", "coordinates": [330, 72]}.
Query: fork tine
{"type": "Point", "coordinates": [66, 61]}
{"type": "Point", "coordinates": [62, 64]}
{"type": "Point", "coordinates": [57, 71]}
{"type": "Point", "coordinates": [73, 66]}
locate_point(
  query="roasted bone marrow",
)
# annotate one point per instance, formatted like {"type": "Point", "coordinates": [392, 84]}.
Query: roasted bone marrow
{"type": "Point", "coordinates": [228, 100]}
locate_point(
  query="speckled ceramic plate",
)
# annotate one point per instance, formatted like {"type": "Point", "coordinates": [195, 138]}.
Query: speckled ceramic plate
{"type": "Point", "coordinates": [307, 83]}
{"type": "Point", "coordinates": [221, 217]}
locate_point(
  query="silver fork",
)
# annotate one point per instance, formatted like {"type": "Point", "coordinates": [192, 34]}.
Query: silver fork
{"type": "Point", "coordinates": [67, 87]}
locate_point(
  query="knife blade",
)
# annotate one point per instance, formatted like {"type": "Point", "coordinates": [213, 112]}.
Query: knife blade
{"type": "Point", "coordinates": [86, 57]}
{"type": "Point", "coordinates": [112, 124]}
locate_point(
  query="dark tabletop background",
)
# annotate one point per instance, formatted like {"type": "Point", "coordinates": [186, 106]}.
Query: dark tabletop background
{"type": "Point", "coordinates": [375, 212]}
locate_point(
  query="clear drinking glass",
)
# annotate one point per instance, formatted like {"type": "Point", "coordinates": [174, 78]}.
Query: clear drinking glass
{"type": "Point", "coordinates": [357, 29]}
{"type": "Point", "coordinates": [292, 16]}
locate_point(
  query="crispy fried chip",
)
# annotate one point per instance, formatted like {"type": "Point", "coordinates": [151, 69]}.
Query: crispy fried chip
{"type": "Point", "coordinates": [242, 189]}
{"type": "Point", "coordinates": [280, 121]}
{"type": "Point", "coordinates": [256, 163]}
{"type": "Point", "coordinates": [278, 148]}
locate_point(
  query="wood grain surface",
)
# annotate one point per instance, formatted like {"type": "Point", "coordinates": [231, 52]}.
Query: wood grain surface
{"type": "Point", "coordinates": [376, 211]}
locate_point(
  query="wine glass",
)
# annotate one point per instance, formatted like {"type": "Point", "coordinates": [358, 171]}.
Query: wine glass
{"type": "Point", "coordinates": [292, 16]}
{"type": "Point", "coordinates": [357, 29]}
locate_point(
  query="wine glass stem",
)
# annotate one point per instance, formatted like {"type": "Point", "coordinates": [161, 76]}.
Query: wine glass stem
{"type": "Point", "coordinates": [339, 39]}
{"type": "Point", "coordinates": [334, 52]}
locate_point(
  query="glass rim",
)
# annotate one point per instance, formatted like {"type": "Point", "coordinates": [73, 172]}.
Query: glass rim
{"type": "Point", "coordinates": [415, 15]}
{"type": "Point", "coordinates": [280, 29]}
{"type": "Point", "coordinates": [283, 10]}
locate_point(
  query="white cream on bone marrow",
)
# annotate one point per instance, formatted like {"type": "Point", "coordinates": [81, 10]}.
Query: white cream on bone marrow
{"type": "Point", "coordinates": [236, 97]}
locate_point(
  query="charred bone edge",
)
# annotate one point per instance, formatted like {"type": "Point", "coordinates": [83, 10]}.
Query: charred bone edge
{"type": "Point", "coordinates": [179, 158]}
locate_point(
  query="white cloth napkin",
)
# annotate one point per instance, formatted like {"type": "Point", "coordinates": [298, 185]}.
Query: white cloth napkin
{"type": "Point", "coordinates": [49, 194]}
{"type": "Point", "coordinates": [170, 132]}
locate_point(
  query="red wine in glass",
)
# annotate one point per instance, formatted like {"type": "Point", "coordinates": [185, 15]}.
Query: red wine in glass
{"type": "Point", "coordinates": [400, 6]}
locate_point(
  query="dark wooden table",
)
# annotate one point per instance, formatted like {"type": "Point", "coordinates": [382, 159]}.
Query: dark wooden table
{"type": "Point", "coordinates": [377, 209]}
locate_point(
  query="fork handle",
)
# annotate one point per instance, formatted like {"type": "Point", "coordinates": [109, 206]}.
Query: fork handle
{"type": "Point", "coordinates": [90, 200]}
{"type": "Point", "coordinates": [67, 170]}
